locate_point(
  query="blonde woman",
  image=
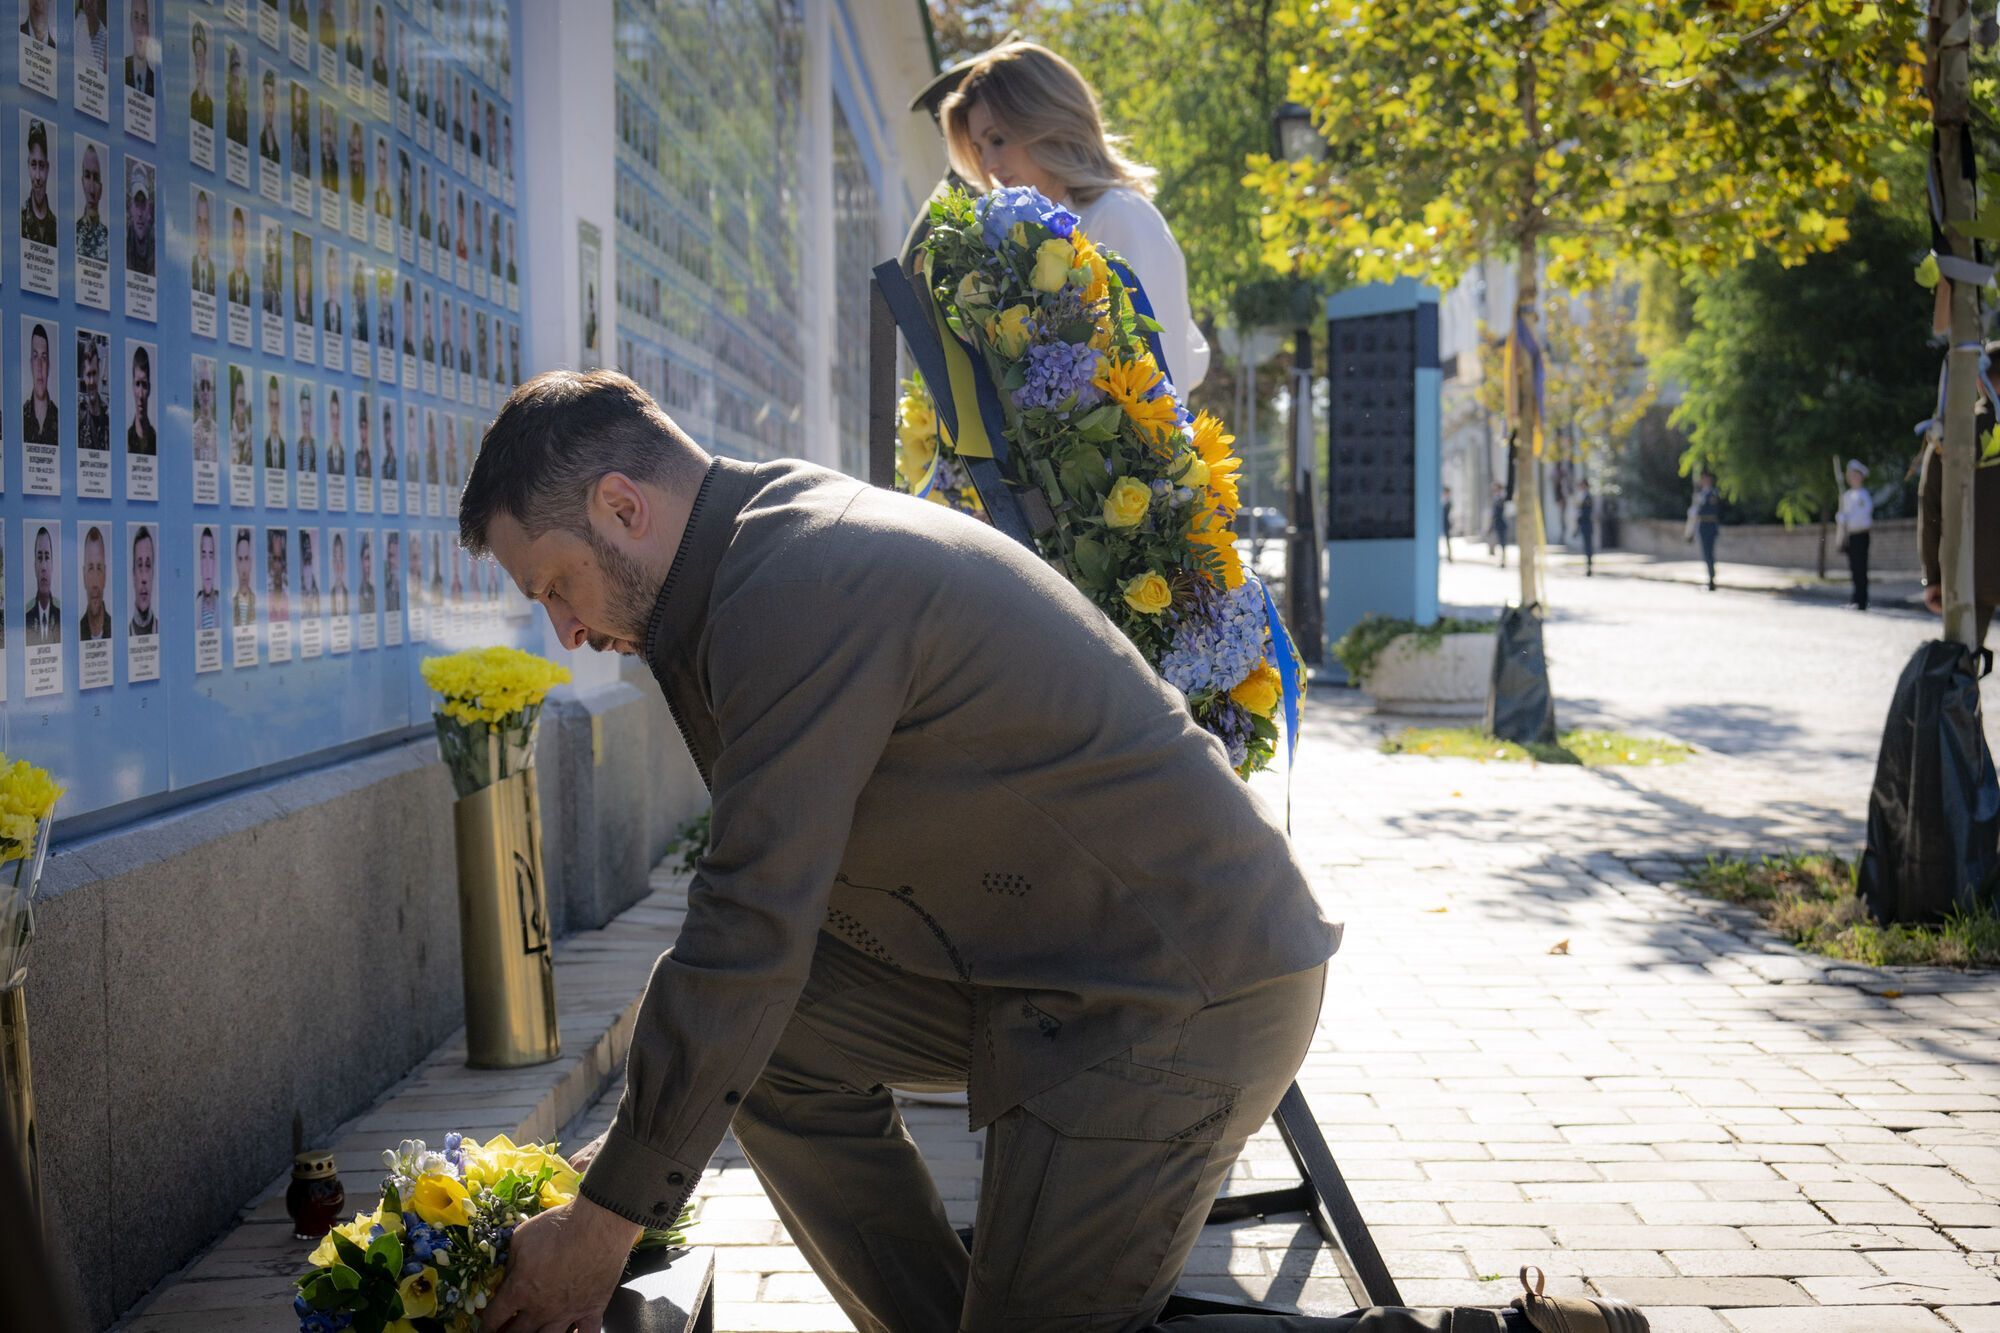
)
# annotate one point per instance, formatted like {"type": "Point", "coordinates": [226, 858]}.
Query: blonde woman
{"type": "Point", "coordinates": [1024, 116]}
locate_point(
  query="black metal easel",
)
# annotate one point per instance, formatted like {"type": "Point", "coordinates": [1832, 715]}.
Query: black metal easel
{"type": "Point", "coordinates": [1322, 1191]}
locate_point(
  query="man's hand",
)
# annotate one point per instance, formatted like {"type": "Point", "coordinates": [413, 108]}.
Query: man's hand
{"type": "Point", "coordinates": [562, 1267]}
{"type": "Point", "coordinates": [1934, 598]}
{"type": "Point", "coordinates": [584, 1156]}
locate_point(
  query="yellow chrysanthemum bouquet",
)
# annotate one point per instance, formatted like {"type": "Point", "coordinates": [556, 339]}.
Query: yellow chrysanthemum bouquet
{"type": "Point", "coordinates": [434, 1250]}
{"type": "Point", "coordinates": [1140, 492]}
{"type": "Point", "coordinates": [28, 797]}
{"type": "Point", "coordinates": [492, 705]}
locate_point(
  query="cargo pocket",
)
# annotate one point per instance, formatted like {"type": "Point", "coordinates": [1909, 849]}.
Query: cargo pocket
{"type": "Point", "coordinates": [1093, 1177]}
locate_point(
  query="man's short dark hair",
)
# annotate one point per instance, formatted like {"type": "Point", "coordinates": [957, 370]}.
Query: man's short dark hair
{"type": "Point", "coordinates": [243, 538]}
{"type": "Point", "coordinates": [38, 135]}
{"type": "Point", "coordinates": [555, 438]}
{"type": "Point", "coordinates": [140, 361]}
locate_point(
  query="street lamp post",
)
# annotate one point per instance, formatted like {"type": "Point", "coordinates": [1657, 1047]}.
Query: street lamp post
{"type": "Point", "coordinates": [1293, 137]}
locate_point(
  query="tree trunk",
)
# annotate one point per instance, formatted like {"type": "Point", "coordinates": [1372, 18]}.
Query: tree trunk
{"type": "Point", "coordinates": [1528, 471]}
{"type": "Point", "coordinates": [1951, 30]}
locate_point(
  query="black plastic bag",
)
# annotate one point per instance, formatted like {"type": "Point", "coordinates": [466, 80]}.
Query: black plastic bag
{"type": "Point", "coordinates": [1934, 814]}
{"type": "Point", "coordinates": [1519, 707]}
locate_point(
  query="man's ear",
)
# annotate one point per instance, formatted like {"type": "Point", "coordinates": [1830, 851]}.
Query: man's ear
{"type": "Point", "coordinates": [624, 503]}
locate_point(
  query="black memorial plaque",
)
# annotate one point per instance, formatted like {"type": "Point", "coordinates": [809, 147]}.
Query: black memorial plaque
{"type": "Point", "coordinates": [1372, 422]}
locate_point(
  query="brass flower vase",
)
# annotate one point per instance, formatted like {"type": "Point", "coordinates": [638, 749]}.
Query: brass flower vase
{"type": "Point", "coordinates": [17, 1075]}
{"type": "Point", "coordinates": [503, 917]}
{"type": "Point", "coordinates": [18, 1079]}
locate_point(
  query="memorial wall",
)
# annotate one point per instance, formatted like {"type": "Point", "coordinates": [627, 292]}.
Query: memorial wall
{"type": "Point", "coordinates": [262, 300]}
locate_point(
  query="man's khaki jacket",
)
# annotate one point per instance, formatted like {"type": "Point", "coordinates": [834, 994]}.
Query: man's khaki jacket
{"type": "Point", "coordinates": [922, 741]}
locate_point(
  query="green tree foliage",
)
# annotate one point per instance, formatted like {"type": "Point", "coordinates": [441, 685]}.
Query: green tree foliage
{"type": "Point", "coordinates": [1598, 386]}
{"type": "Point", "coordinates": [1787, 369]}
{"type": "Point", "coordinates": [1706, 131]}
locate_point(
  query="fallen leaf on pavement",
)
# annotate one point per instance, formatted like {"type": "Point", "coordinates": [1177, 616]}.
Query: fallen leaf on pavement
{"type": "Point", "coordinates": [1560, 946]}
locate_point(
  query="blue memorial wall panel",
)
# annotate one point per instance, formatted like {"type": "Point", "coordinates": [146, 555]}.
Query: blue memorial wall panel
{"type": "Point", "coordinates": [707, 253]}
{"type": "Point", "coordinates": [262, 298]}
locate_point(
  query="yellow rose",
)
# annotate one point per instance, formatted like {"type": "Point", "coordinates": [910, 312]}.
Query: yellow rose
{"type": "Point", "coordinates": [918, 451]}
{"type": "Point", "coordinates": [1018, 234]}
{"type": "Point", "coordinates": [419, 1293]}
{"type": "Point", "coordinates": [974, 290]}
{"type": "Point", "coordinates": [1011, 334]}
{"type": "Point", "coordinates": [1128, 502]}
{"type": "Point", "coordinates": [1053, 259]}
{"type": "Point", "coordinates": [1196, 476]}
{"type": "Point", "coordinates": [441, 1201]}
{"type": "Point", "coordinates": [1259, 691]}
{"type": "Point", "coordinates": [1148, 594]}
{"type": "Point", "coordinates": [553, 1197]}
{"type": "Point", "coordinates": [915, 414]}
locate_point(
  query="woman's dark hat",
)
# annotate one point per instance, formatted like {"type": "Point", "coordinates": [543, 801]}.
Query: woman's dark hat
{"type": "Point", "coordinates": [931, 96]}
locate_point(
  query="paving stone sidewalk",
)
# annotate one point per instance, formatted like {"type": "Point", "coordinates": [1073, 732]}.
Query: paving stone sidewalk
{"type": "Point", "coordinates": [1531, 1054]}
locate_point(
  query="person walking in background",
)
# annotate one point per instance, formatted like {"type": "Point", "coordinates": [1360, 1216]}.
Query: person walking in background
{"type": "Point", "coordinates": [1024, 116]}
{"type": "Point", "coordinates": [1586, 526]}
{"type": "Point", "coordinates": [1496, 527]}
{"type": "Point", "coordinates": [1856, 522]}
{"type": "Point", "coordinates": [1446, 523]}
{"type": "Point", "coordinates": [1705, 521]}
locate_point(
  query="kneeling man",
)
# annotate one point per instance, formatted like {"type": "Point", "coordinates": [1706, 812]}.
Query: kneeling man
{"type": "Point", "coordinates": [963, 837]}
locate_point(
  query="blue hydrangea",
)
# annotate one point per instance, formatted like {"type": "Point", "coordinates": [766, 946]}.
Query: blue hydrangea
{"type": "Point", "coordinates": [1000, 210]}
{"type": "Point", "coordinates": [1218, 641]}
{"type": "Point", "coordinates": [1230, 722]}
{"type": "Point", "coordinates": [1057, 370]}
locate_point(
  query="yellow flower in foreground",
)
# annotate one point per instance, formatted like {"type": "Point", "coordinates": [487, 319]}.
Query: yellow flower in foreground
{"type": "Point", "coordinates": [1127, 383]}
{"type": "Point", "coordinates": [441, 1201]}
{"type": "Point", "coordinates": [974, 290]}
{"type": "Point", "coordinates": [1194, 474]}
{"type": "Point", "coordinates": [916, 416]}
{"type": "Point", "coordinates": [917, 453]}
{"type": "Point", "coordinates": [28, 795]}
{"type": "Point", "coordinates": [1126, 505]}
{"type": "Point", "coordinates": [1148, 594]}
{"type": "Point", "coordinates": [1213, 537]}
{"type": "Point", "coordinates": [1212, 443]}
{"type": "Point", "coordinates": [1053, 259]}
{"type": "Point", "coordinates": [419, 1293]}
{"type": "Point", "coordinates": [1927, 274]}
{"type": "Point", "coordinates": [1010, 333]}
{"type": "Point", "coordinates": [491, 684]}
{"type": "Point", "coordinates": [1098, 285]}
{"type": "Point", "coordinates": [1260, 690]}
{"type": "Point", "coordinates": [323, 1255]}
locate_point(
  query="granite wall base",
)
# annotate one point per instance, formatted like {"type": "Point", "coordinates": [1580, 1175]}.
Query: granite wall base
{"type": "Point", "coordinates": [203, 980]}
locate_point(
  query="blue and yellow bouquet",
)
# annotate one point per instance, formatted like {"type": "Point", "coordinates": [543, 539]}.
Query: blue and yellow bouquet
{"type": "Point", "coordinates": [433, 1252]}
{"type": "Point", "coordinates": [1142, 492]}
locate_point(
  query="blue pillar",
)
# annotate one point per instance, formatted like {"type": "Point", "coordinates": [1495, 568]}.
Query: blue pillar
{"type": "Point", "coordinates": [1382, 455]}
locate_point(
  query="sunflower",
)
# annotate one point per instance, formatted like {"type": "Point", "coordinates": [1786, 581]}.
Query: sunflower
{"type": "Point", "coordinates": [1216, 544]}
{"type": "Point", "coordinates": [1128, 383]}
{"type": "Point", "coordinates": [1212, 443]}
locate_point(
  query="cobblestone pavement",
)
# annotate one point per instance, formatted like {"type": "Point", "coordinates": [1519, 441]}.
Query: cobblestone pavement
{"type": "Point", "coordinates": [1531, 1054]}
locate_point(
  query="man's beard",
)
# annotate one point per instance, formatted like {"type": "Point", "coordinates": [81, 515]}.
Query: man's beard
{"type": "Point", "coordinates": [629, 594]}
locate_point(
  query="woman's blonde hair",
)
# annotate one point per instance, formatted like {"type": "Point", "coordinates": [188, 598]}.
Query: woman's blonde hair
{"type": "Point", "coordinates": [1049, 109]}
